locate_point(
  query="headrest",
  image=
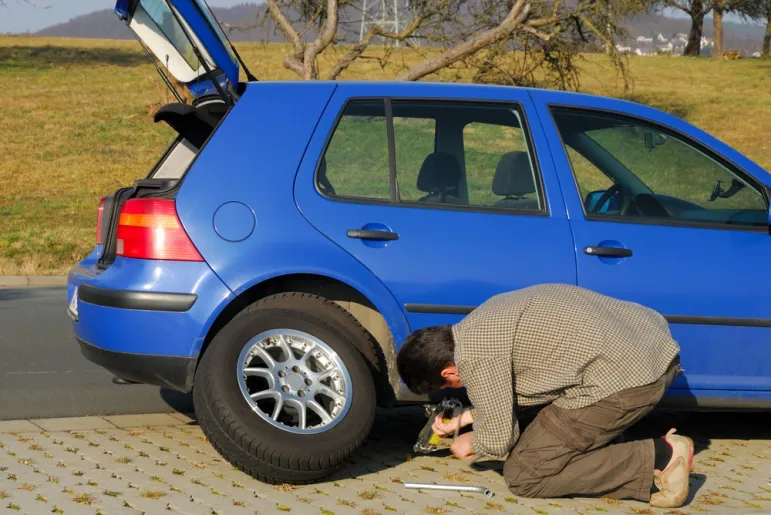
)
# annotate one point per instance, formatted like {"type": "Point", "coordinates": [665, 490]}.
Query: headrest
{"type": "Point", "coordinates": [513, 175]}
{"type": "Point", "coordinates": [440, 172]}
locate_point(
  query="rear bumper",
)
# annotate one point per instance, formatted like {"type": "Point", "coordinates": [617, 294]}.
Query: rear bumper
{"type": "Point", "coordinates": [144, 320]}
{"type": "Point", "coordinates": [175, 372]}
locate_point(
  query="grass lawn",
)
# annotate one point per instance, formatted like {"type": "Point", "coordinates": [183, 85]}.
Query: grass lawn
{"type": "Point", "coordinates": [77, 124]}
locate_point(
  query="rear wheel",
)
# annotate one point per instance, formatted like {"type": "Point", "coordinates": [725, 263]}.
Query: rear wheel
{"type": "Point", "coordinates": [283, 391]}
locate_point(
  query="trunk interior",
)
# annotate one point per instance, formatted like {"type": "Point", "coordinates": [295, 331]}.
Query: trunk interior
{"type": "Point", "coordinates": [194, 125]}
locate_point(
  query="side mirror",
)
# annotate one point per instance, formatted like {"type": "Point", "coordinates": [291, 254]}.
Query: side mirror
{"type": "Point", "coordinates": [612, 204]}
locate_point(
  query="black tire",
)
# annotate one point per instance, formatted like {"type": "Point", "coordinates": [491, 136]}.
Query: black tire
{"type": "Point", "coordinates": [257, 447]}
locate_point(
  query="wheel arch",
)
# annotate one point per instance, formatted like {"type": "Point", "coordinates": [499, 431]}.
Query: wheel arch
{"type": "Point", "coordinates": [382, 358]}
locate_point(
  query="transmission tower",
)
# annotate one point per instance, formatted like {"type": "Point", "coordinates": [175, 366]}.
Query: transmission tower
{"type": "Point", "coordinates": [383, 14]}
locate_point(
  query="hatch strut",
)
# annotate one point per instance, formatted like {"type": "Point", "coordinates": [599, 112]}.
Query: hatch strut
{"type": "Point", "coordinates": [227, 98]}
{"type": "Point", "coordinates": [160, 72]}
{"type": "Point", "coordinates": [249, 74]}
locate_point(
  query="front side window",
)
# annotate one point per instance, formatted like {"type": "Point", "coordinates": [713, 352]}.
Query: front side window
{"type": "Point", "coordinates": [457, 154]}
{"type": "Point", "coordinates": [632, 169]}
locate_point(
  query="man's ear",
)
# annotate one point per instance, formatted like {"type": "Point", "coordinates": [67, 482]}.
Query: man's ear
{"type": "Point", "coordinates": [450, 376]}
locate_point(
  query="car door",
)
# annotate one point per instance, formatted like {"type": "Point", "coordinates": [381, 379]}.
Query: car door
{"type": "Point", "coordinates": [447, 202]}
{"type": "Point", "coordinates": [666, 216]}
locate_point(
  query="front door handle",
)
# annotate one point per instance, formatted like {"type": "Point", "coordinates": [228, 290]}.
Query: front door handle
{"type": "Point", "coordinates": [608, 252]}
{"type": "Point", "coordinates": [369, 234]}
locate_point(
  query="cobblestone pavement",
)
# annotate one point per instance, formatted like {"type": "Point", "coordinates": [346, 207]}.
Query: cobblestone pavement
{"type": "Point", "coordinates": [162, 463]}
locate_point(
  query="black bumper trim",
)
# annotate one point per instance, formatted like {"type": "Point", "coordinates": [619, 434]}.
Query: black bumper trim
{"type": "Point", "coordinates": [141, 300]}
{"type": "Point", "coordinates": [175, 372]}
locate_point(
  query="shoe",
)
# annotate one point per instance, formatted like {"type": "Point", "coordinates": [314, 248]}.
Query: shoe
{"type": "Point", "coordinates": [672, 482]}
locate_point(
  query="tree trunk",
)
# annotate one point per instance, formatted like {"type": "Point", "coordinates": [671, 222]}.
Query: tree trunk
{"type": "Point", "coordinates": [767, 39]}
{"type": "Point", "coordinates": [717, 49]}
{"type": "Point", "coordinates": [693, 48]}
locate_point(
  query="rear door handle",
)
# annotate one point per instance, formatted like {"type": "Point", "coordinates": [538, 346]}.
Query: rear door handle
{"type": "Point", "coordinates": [368, 234]}
{"type": "Point", "coordinates": [607, 252]}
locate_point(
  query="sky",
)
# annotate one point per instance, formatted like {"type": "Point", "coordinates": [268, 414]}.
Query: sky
{"type": "Point", "coordinates": [19, 16]}
{"type": "Point", "coordinates": [33, 15]}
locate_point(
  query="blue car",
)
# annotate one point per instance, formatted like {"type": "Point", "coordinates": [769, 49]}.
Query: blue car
{"type": "Point", "coordinates": [293, 235]}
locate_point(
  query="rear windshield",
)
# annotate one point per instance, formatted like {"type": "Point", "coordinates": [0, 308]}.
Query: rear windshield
{"type": "Point", "coordinates": [159, 12]}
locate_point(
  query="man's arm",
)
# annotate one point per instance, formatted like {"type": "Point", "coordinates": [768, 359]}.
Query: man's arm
{"type": "Point", "coordinates": [490, 388]}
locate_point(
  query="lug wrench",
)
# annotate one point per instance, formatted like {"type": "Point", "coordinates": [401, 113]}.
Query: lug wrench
{"type": "Point", "coordinates": [457, 488]}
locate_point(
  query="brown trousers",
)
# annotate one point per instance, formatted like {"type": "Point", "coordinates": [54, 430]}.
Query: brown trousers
{"type": "Point", "coordinates": [565, 452]}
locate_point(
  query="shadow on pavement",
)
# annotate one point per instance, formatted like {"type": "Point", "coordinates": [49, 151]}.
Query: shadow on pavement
{"type": "Point", "coordinates": [178, 401]}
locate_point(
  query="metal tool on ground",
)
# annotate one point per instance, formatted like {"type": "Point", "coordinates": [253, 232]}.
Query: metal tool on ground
{"type": "Point", "coordinates": [455, 488]}
{"type": "Point", "coordinates": [428, 441]}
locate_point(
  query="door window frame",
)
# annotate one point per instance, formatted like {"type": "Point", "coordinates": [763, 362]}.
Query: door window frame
{"type": "Point", "coordinates": [394, 200]}
{"type": "Point", "coordinates": [684, 138]}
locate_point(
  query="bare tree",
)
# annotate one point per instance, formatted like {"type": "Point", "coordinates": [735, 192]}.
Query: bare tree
{"type": "Point", "coordinates": [752, 9]}
{"type": "Point", "coordinates": [499, 41]}
{"type": "Point", "coordinates": [766, 53]}
{"type": "Point", "coordinates": [697, 10]}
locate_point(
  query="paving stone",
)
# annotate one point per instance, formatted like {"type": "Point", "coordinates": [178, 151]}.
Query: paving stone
{"type": "Point", "coordinates": [166, 465]}
{"type": "Point", "coordinates": [146, 420]}
{"type": "Point", "coordinates": [18, 426]}
{"type": "Point", "coordinates": [73, 423]}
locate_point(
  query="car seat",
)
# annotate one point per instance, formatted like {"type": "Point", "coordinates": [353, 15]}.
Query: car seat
{"type": "Point", "coordinates": [439, 177]}
{"type": "Point", "coordinates": [513, 180]}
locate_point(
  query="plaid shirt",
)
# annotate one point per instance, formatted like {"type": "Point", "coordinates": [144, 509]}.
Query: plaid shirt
{"type": "Point", "coordinates": [553, 342]}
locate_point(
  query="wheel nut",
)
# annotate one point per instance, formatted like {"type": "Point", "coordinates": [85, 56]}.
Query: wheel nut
{"type": "Point", "coordinates": [295, 369]}
{"type": "Point", "coordinates": [301, 393]}
{"type": "Point", "coordinates": [281, 373]}
{"type": "Point", "coordinates": [285, 388]}
{"type": "Point", "coordinates": [308, 382]}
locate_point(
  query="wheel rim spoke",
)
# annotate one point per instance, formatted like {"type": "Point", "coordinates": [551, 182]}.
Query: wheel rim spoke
{"type": "Point", "coordinates": [318, 410]}
{"type": "Point", "coordinates": [265, 394]}
{"type": "Point", "coordinates": [267, 358]}
{"type": "Point", "coordinates": [330, 393]}
{"type": "Point", "coordinates": [286, 348]}
{"type": "Point", "coordinates": [279, 406]}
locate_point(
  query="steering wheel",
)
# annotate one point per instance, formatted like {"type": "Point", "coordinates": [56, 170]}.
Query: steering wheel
{"type": "Point", "coordinates": [616, 188]}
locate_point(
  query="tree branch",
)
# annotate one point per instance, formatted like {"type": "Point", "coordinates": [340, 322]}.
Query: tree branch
{"type": "Point", "coordinates": [292, 62]}
{"type": "Point", "coordinates": [512, 22]}
{"type": "Point", "coordinates": [323, 40]}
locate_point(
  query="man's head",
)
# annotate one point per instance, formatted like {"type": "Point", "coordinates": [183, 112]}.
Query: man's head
{"type": "Point", "coordinates": [426, 361]}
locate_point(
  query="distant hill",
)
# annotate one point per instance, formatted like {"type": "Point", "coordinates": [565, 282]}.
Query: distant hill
{"type": "Point", "coordinates": [105, 25]}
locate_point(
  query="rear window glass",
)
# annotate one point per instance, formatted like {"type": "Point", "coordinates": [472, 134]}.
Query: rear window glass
{"type": "Point", "coordinates": [162, 16]}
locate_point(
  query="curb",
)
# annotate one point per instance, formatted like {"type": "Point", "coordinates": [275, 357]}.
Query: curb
{"type": "Point", "coordinates": [129, 421]}
{"type": "Point", "coordinates": [21, 281]}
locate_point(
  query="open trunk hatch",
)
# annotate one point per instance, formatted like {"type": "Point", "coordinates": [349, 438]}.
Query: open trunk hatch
{"type": "Point", "coordinates": [187, 40]}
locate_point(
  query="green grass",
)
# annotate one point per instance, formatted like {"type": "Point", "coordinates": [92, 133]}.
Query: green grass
{"type": "Point", "coordinates": [77, 124]}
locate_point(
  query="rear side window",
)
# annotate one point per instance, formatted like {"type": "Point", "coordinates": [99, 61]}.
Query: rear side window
{"type": "Point", "coordinates": [432, 153]}
{"type": "Point", "coordinates": [355, 164]}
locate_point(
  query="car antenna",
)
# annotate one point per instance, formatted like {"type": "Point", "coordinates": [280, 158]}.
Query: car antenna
{"type": "Point", "coordinates": [160, 72]}
{"type": "Point", "coordinates": [249, 74]}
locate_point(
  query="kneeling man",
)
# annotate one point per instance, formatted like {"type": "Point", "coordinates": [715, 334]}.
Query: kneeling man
{"type": "Point", "coordinates": [598, 365]}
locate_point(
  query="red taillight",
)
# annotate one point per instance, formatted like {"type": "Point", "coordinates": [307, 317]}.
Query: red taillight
{"type": "Point", "coordinates": [99, 222]}
{"type": "Point", "coordinates": [150, 229]}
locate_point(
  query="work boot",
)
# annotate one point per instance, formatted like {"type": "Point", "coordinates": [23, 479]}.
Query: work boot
{"type": "Point", "coordinates": [672, 482]}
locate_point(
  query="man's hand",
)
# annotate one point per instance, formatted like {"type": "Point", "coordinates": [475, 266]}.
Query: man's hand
{"type": "Point", "coordinates": [443, 428]}
{"type": "Point", "coordinates": [461, 446]}
{"type": "Point", "coordinates": [446, 428]}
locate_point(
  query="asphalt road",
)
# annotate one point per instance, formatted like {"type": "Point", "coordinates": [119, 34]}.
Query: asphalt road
{"type": "Point", "coordinates": [42, 373]}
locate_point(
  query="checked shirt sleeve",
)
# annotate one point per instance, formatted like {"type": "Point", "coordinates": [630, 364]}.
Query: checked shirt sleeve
{"type": "Point", "coordinates": [488, 383]}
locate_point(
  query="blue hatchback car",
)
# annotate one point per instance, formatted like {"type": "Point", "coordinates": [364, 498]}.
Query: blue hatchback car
{"type": "Point", "coordinates": [294, 234]}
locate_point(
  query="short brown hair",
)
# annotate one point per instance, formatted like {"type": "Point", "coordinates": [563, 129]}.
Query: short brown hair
{"type": "Point", "coordinates": [423, 356]}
